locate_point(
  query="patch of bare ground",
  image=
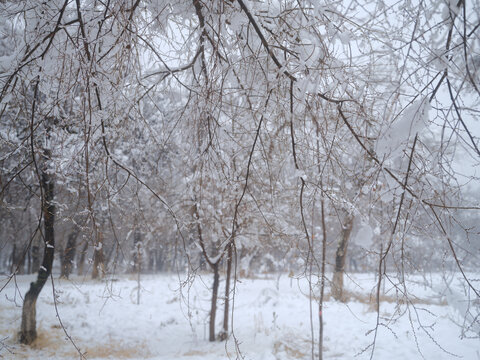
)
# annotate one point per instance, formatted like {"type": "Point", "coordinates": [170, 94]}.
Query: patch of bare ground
{"type": "Point", "coordinates": [289, 349]}
{"type": "Point", "coordinates": [371, 300]}
{"type": "Point", "coordinates": [229, 354]}
{"type": "Point", "coordinates": [293, 347]}
{"type": "Point", "coordinates": [195, 353]}
{"type": "Point", "coordinates": [115, 350]}
{"type": "Point", "coordinates": [52, 343]}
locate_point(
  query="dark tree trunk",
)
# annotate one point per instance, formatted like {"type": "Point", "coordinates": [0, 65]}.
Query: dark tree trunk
{"type": "Point", "coordinates": [13, 259]}
{"type": "Point", "coordinates": [202, 264]}
{"type": "Point", "coordinates": [21, 261]}
{"type": "Point", "coordinates": [213, 309]}
{"type": "Point", "coordinates": [139, 269]}
{"type": "Point", "coordinates": [151, 260]}
{"type": "Point", "coordinates": [341, 254]}
{"type": "Point", "coordinates": [109, 256]}
{"type": "Point", "coordinates": [137, 244]}
{"type": "Point", "coordinates": [215, 267]}
{"type": "Point", "coordinates": [35, 256]}
{"type": "Point", "coordinates": [98, 258]}
{"type": "Point", "coordinates": [81, 262]}
{"type": "Point", "coordinates": [226, 309]}
{"type": "Point", "coordinates": [17, 265]}
{"type": "Point", "coordinates": [29, 261]}
{"type": "Point", "coordinates": [322, 283]}
{"type": "Point", "coordinates": [28, 331]}
{"type": "Point", "coordinates": [98, 262]}
{"type": "Point", "coordinates": [159, 263]}
{"type": "Point", "coordinates": [69, 253]}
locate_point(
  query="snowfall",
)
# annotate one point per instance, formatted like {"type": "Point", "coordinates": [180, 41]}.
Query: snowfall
{"type": "Point", "coordinates": [271, 319]}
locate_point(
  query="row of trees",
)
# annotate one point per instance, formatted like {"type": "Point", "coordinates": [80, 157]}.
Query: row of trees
{"type": "Point", "coordinates": [146, 135]}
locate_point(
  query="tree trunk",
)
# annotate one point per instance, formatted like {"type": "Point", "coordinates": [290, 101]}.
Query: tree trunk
{"type": "Point", "coordinates": [28, 331]}
{"type": "Point", "coordinates": [226, 309]}
{"type": "Point", "coordinates": [137, 244]}
{"type": "Point", "coordinates": [35, 255]}
{"type": "Point", "coordinates": [341, 254]}
{"type": "Point", "coordinates": [18, 260]}
{"type": "Point", "coordinates": [213, 309]}
{"type": "Point", "coordinates": [21, 261]}
{"type": "Point", "coordinates": [13, 258]}
{"type": "Point", "coordinates": [109, 256]}
{"type": "Point", "coordinates": [139, 269]}
{"type": "Point", "coordinates": [29, 261]}
{"type": "Point", "coordinates": [322, 282]}
{"type": "Point", "coordinates": [69, 253]}
{"type": "Point", "coordinates": [151, 260]}
{"type": "Point", "coordinates": [162, 261]}
{"type": "Point", "coordinates": [81, 262]}
{"type": "Point", "coordinates": [98, 260]}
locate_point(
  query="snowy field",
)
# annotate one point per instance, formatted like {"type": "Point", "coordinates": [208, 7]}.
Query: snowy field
{"type": "Point", "coordinates": [271, 320]}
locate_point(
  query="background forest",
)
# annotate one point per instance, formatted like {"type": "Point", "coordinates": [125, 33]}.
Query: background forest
{"type": "Point", "coordinates": [222, 140]}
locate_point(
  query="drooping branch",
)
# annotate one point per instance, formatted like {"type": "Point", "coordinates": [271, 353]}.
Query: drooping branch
{"type": "Point", "coordinates": [460, 118]}
{"type": "Point", "coordinates": [374, 157]}
{"type": "Point", "coordinates": [264, 41]}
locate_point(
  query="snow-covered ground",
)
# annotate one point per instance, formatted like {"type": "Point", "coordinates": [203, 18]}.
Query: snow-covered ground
{"type": "Point", "coordinates": [271, 320]}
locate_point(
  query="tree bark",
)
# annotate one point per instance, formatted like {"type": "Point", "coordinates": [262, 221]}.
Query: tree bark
{"type": "Point", "coordinates": [215, 267]}
{"type": "Point", "coordinates": [341, 254]}
{"type": "Point", "coordinates": [98, 258]}
{"type": "Point", "coordinates": [109, 256]}
{"type": "Point", "coordinates": [159, 263]}
{"type": "Point", "coordinates": [226, 309]}
{"type": "Point", "coordinates": [18, 260]}
{"type": "Point", "coordinates": [322, 282]}
{"type": "Point", "coordinates": [213, 309]}
{"type": "Point", "coordinates": [35, 255]}
{"type": "Point", "coordinates": [151, 260]}
{"type": "Point", "coordinates": [81, 262]}
{"type": "Point", "coordinates": [21, 261]}
{"type": "Point", "coordinates": [137, 239]}
{"type": "Point", "coordinates": [69, 253]}
{"type": "Point", "coordinates": [13, 258]}
{"type": "Point", "coordinates": [29, 261]}
{"type": "Point", "coordinates": [28, 331]}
